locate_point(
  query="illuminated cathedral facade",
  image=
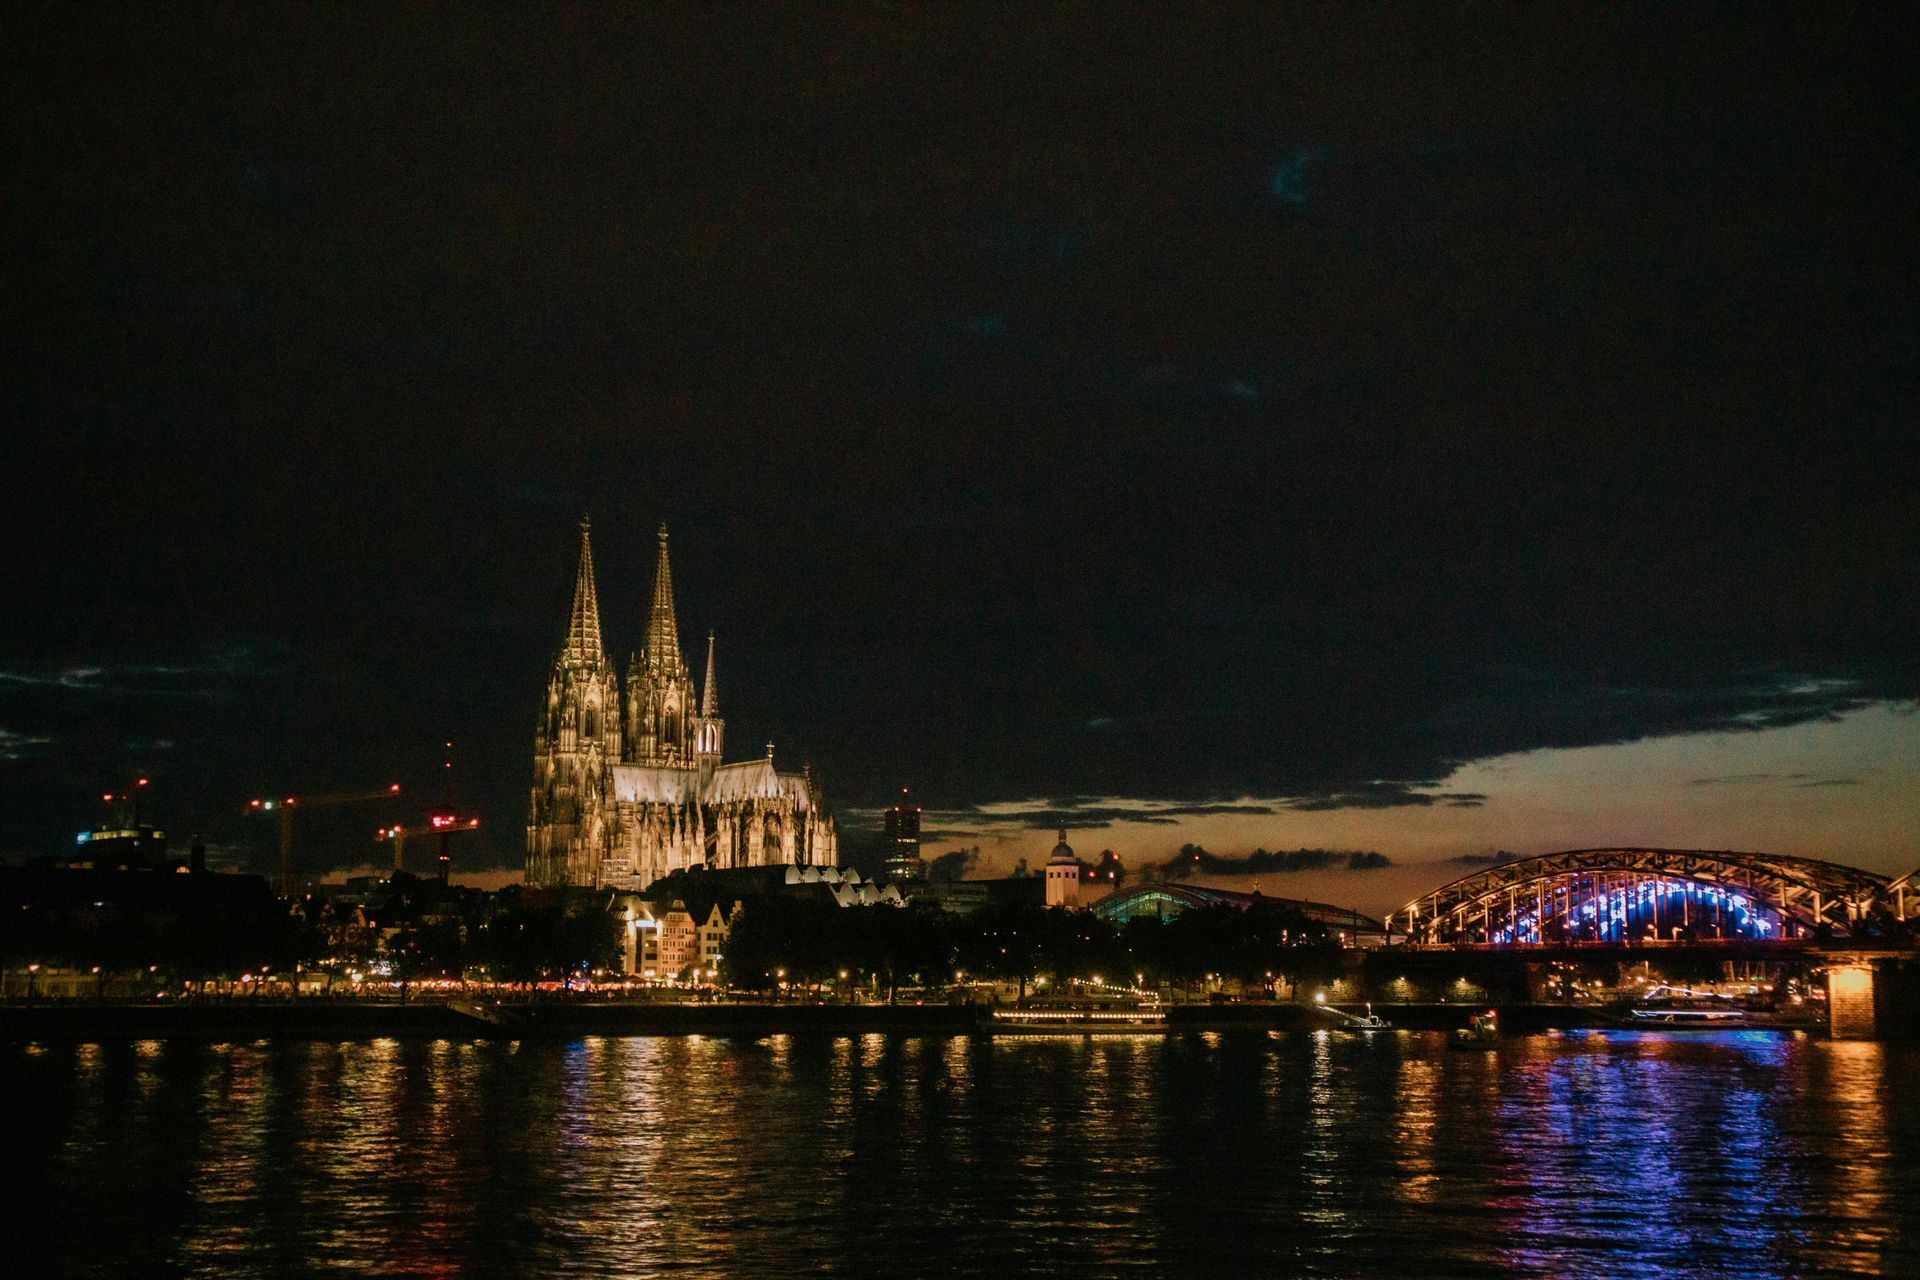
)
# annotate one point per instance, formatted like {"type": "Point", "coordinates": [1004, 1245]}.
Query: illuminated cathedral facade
{"type": "Point", "coordinates": [629, 780]}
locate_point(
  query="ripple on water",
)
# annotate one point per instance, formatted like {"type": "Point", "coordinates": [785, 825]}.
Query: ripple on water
{"type": "Point", "coordinates": [1603, 1154]}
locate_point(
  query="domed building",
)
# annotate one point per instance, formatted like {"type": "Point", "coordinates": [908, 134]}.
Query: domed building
{"type": "Point", "coordinates": [1063, 875]}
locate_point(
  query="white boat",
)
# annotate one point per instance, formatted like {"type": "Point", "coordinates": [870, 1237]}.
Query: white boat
{"type": "Point", "coordinates": [1682, 1009]}
{"type": "Point", "coordinates": [1066, 1018]}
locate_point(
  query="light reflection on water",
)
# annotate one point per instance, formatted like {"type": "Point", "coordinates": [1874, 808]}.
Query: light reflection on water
{"type": "Point", "coordinates": [1584, 1154]}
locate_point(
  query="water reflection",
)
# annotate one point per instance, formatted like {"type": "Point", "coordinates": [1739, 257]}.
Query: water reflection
{"type": "Point", "coordinates": [1588, 1154]}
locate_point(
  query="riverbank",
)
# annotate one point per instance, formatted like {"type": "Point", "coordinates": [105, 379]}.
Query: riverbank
{"type": "Point", "coordinates": [567, 1019]}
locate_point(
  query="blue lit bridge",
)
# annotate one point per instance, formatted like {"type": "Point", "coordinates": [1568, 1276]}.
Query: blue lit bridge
{"type": "Point", "coordinates": [1629, 896]}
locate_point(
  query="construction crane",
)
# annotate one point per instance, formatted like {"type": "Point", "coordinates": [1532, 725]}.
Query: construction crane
{"type": "Point", "coordinates": [285, 806]}
{"type": "Point", "coordinates": [443, 822]}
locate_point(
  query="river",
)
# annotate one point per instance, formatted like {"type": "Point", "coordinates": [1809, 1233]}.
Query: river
{"type": "Point", "coordinates": [1615, 1154]}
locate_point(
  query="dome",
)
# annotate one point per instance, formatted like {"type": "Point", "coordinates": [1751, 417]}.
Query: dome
{"type": "Point", "coordinates": [1063, 852]}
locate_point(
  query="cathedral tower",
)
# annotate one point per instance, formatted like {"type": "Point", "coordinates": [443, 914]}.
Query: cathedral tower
{"type": "Point", "coordinates": [570, 823]}
{"type": "Point", "coordinates": [660, 705]}
{"type": "Point", "coordinates": [709, 730]}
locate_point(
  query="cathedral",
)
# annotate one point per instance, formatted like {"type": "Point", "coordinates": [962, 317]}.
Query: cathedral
{"type": "Point", "coordinates": [629, 784]}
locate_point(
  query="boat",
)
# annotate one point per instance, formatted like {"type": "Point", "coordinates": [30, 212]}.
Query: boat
{"type": "Point", "coordinates": [491, 1015]}
{"type": "Point", "coordinates": [1368, 1021]}
{"type": "Point", "coordinates": [1667, 1008]}
{"type": "Point", "coordinates": [1080, 1018]}
{"type": "Point", "coordinates": [1481, 1032]}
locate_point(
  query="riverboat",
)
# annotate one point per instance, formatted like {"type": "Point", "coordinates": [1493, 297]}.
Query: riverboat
{"type": "Point", "coordinates": [1070, 1018]}
{"type": "Point", "coordinates": [1679, 1009]}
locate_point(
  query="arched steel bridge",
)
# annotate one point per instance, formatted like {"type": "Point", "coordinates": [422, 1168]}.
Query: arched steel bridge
{"type": "Point", "coordinates": [1632, 895]}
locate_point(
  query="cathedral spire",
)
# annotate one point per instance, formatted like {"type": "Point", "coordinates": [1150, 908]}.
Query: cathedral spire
{"type": "Point", "coordinates": [583, 627]}
{"type": "Point", "coordinates": [709, 699]}
{"type": "Point", "coordinates": [663, 632]}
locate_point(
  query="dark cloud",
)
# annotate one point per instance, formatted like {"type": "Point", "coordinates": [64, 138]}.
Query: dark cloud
{"type": "Point", "coordinates": [209, 677]}
{"type": "Point", "coordinates": [1088, 813]}
{"type": "Point", "coordinates": [1193, 859]}
{"type": "Point", "coordinates": [1497, 858]}
{"type": "Point", "coordinates": [952, 865]}
{"type": "Point", "coordinates": [1385, 795]}
{"type": "Point", "coordinates": [1744, 779]}
{"type": "Point", "coordinates": [1793, 778]}
{"type": "Point", "coordinates": [1059, 404]}
{"type": "Point", "coordinates": [18, 746]}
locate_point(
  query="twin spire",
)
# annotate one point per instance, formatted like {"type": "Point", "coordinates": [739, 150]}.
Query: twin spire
{"type": "Point", "coordinates": [663, 630]}
{"type": "Point", "coordinates": [583, 627]}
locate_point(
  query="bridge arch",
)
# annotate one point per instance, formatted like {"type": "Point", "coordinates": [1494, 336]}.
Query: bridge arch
{"type": "Point", "coordinates": [1625, 895]}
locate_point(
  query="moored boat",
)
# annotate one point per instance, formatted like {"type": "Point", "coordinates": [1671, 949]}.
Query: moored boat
{"type": "Point", "coordinates": [1065, 1017]}
{"type": "Point", "coordinates": [1668, 1008]}
{"type": "Point", "coordinates": [1481, 1032]}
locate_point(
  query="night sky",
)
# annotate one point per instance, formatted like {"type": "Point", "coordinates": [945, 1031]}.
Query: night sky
{"type": "Point", "coordinates": [1242, 426]}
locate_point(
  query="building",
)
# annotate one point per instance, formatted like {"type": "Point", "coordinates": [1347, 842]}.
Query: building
{"type": "Point", "coordinates": [904, 865]}
{"type": "Point", "coordinates": [674, 941]}
{"type": "Point", "coordinates": [630, 781]}
{"type": "Point", "coordinates": [845, 885]}
{"type": "Point", "coordinates": [1063, 875]}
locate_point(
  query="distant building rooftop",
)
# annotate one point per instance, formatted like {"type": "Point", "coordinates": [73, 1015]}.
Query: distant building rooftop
{"type": "Point", "coordinates": [1163, 900]}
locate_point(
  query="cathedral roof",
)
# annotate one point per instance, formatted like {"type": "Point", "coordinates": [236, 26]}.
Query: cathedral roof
{"type": "Point", "coordinates": [742, 780]}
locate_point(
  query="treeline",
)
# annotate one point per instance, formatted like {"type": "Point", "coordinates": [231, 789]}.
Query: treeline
{"type": "Point", "coordinates": [518, 944]}
{"type": "Point", "coordinates": [804, 943]}
{"type": "Point", "coordinates": [510, 936]}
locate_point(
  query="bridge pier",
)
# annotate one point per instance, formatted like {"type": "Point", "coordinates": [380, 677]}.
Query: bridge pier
{"type": "Point", "coordinates": [1850, 1001]}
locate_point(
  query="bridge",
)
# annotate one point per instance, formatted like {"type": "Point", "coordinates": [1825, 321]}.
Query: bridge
{"type": "Point", "coordinates": [1635, 896]}
{"type": "Point", "coordinates": [1567, 906]}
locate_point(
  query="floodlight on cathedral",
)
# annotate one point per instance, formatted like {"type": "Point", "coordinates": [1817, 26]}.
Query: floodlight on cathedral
{"type": "Point", "coordinates": [630, 781]}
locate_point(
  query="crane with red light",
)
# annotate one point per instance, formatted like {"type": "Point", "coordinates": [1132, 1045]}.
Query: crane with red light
{"type": "Point", "coordinates": [285, 805]}
{"type": "Point", "coordinates": [445, 821]}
